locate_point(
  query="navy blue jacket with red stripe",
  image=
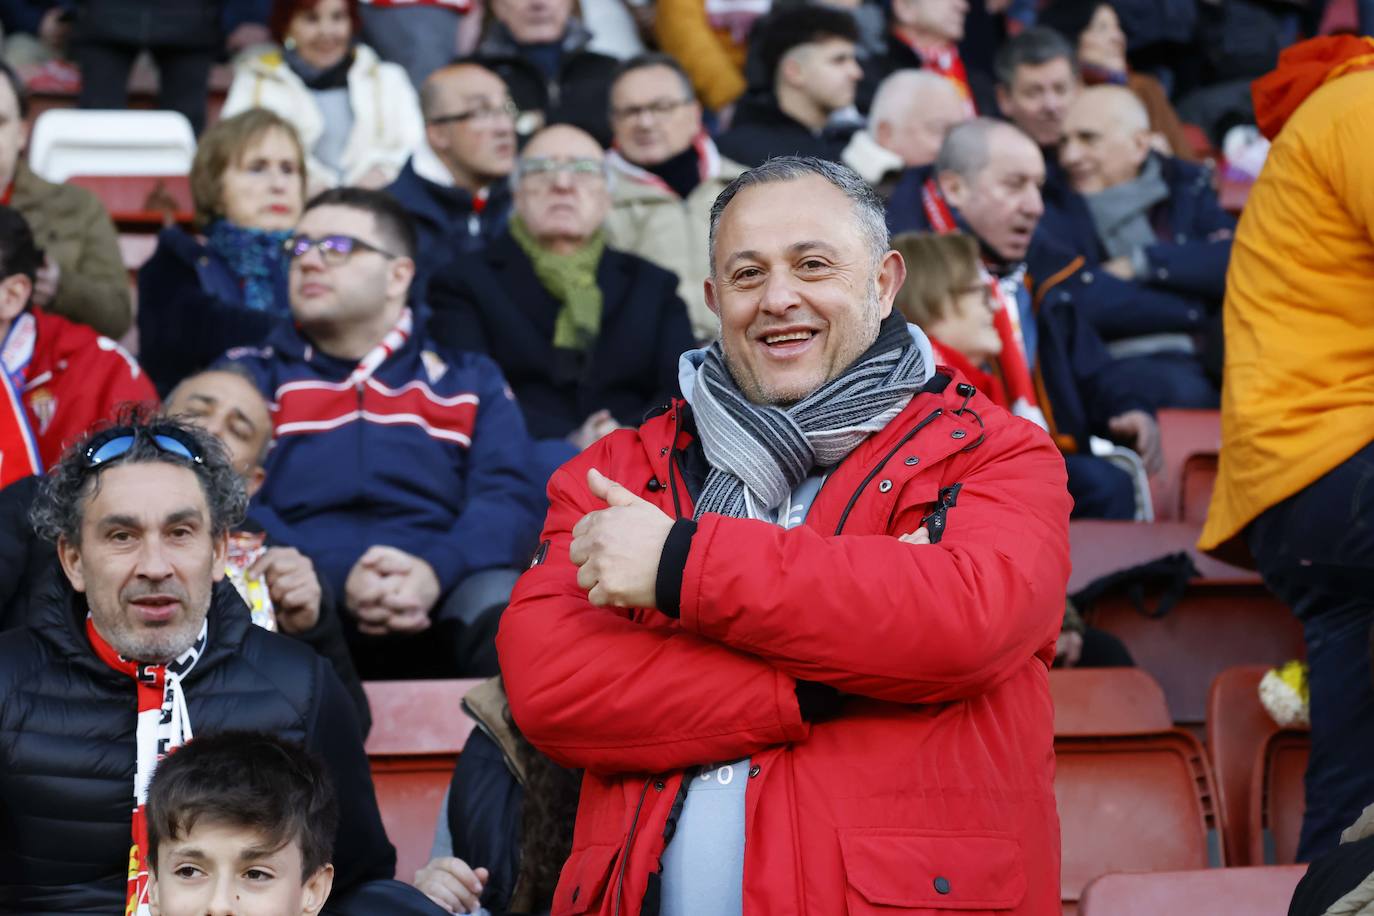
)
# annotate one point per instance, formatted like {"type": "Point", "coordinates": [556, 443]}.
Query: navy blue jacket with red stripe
{"type": "Point", "coordinates": [429, 455]}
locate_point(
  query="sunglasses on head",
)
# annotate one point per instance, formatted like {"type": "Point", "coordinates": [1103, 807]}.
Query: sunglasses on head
{"type": "Point", "coordinates": [117, 442]}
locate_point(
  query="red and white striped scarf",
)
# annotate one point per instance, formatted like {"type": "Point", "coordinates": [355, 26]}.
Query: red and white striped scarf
{"type": "Point", "coordinates": [946, 62]}
{"type": "Point", "coordinates": [708, 164]}
{"type": "Point", "coordinates": [18, 446]}
{"type": "Point", "coordinates": [164, 724]}
{"type": "Point", "coordinates": [393, 341]}
{"type": "Point", "coordinates": [1012, 360]}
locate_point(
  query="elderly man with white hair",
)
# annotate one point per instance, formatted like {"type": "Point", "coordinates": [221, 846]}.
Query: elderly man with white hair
{"type": "Point", "coordinates": [1158, 225]}
{"type": "Point", "coordinates": [910, 115]}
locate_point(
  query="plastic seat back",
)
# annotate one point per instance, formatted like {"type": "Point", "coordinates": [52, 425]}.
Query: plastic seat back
{"type": "Point", "coordinates": [68, 142]}
{"type": "Point", "coordinates": [1134, 803]}
{"type": "Point", "coordinates": [418, 730]}
{"type": "Point", "coordinates": [1107, 701]}
{"type": "Point", "coordinates": [1278, 797]}
{"type": "Point", "coordinates": [1233, 891]}
{"type": "Point", "coordinates": [1237, 727]}
{"type": "Point", "coordinates": [141, 202]}
{"type": "Point", "coordinates": [1185, 435]}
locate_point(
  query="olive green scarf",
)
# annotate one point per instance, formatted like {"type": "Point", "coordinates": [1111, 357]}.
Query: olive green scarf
{"type": "Point", "coordinates": [571, 279]}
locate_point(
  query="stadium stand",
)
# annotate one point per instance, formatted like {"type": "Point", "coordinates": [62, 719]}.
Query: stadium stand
{"type": "Point", "coordinates": [1233, 891]}
{"type": "Point", "coordinates": [67, 143]}
{"type": "Point", "coordinates": [1107, 701]}
{"type": "Point", "coordinates": [418, 731]}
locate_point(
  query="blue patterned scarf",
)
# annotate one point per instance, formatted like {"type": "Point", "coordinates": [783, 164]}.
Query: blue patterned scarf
{"type": "Point", "coordinates": [255, 256]}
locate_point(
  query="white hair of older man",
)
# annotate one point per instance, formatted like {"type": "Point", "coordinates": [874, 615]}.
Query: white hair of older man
{"type": "Point", "coordinates": [901, 91]}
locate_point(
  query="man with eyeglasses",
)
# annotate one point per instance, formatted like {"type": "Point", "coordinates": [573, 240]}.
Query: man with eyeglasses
{"type": "Point", "coordinates": [401, 468]}
{"type": "Point", "coordinates": [141, 646]}
{"type": "Point", "coordinates": [667, 171]}
{"type": "Point", "coordinates": [59, 377]}
{"type": "Point", "coordinates": [454, 185]}
{"type": "Point", "coordinates": [588, 336]}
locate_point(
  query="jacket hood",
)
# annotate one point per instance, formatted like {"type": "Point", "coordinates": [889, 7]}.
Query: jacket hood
{"type": "Point", "coordinates": [1302, 70]}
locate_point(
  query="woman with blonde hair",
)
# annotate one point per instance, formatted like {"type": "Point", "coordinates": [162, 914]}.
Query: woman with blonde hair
{"type": "Point", "coordinates": [223, 286]}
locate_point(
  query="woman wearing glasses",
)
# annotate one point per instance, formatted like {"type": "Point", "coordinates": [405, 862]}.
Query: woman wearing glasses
{"type": "Point", "coordinates": [224, 286]}
{"type": "Point", "coordinates": [357, 116]}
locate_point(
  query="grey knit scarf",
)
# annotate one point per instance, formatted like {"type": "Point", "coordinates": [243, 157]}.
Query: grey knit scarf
{"type": "Point", "coordinates": [1122, 213]}
{"type": "Point", "coordinates": [759, 453]}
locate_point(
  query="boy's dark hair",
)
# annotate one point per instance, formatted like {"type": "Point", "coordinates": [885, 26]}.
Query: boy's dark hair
{"type": "Point", "coordinates": [393, 222]}
{"type": "Point", "coordinates": [1033, 47]}
{"type": "Point", "coordinates": [19, 253]}
{"type": "Point", "coordinates": [787, 28]}
{"type": "Point", "coordinates": [245, 779]}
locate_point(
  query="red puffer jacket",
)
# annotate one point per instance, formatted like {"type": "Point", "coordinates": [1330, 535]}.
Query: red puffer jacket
{"type": "Point", "coordinates": [932, 789]}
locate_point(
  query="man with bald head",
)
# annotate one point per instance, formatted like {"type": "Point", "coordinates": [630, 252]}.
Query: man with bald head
{"type": "Point", "coordinates": [986, 182]}
{"type": "Point", "coordinates": [910, 115]}
{"type": "Point", "coordinates": [455, 183]}
{"type": "Point", "coordinates": [587, 336]}
{"type": "Point", "coordinates": [1158, 225]}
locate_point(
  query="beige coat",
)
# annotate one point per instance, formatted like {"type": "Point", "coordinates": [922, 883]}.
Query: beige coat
{"type": "Point", "coordinates": [387, 125]}
{"type": "Point", "coordinates": [650, 220]}
{"type": "Point", "coordinates": [71, 225]}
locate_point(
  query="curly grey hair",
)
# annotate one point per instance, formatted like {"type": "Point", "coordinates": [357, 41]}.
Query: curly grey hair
{"type": "Point", "coordinates": [868, 206]}
{"type": "Point", "coordinates": [58, 509]}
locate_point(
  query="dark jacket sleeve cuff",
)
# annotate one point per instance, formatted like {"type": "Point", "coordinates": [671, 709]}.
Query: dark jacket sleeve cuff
{"type": "Point", "coordinates": [817, 701]}
{"type": "Point", "coordinates": [672, 563]}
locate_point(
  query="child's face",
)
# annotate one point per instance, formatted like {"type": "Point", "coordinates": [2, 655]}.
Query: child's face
{"type": "Point", "coordinates": [226, 870]}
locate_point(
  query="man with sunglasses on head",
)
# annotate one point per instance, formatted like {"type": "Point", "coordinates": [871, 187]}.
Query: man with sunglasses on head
{"type": "Point", "coordinates": [454, 185]}
{"type": "Point", "coordinates": [401, 468]}
{"type": "Point", "coordinates": [142, 645]}
{"type": "Point", "coordinates": [667, 172]}
{"type": "Point", "coordinates": [588, 336]}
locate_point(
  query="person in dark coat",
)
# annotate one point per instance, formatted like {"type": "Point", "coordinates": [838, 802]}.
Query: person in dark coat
{"type": "Point", "coordinates": [454, 186]}
{"type": "Point", "coordinates": [138, 647]}
{"type": "Point", "coordinates": [925, 35]}
{"type": "Point", "coordinates": [808, 53]}
{"type": "Point", "coordinates": [985, 183]}
{"type": "Point", "coordinates": [224, 286]}
{"type": "Point", "coordinates": [506, 826]}
{"type": "Point", "coordinates": [543, 56]}
{"type": "Point", "coordinates": [302, 606]}
{"type": "Point", "coordinates": [1156, 224]}
{"type": "Point", "coordinates": [588, 337]}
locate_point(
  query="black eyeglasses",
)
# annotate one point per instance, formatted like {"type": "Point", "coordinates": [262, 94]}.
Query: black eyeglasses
{"type": "Point", "coordinates": [483, 112]}
{"type": "Point", "coordinates": [658, 108]}
{"type": "Point", "coordinates": [333, 249]}
{"type": "Point", "coordinates": [119, 440]}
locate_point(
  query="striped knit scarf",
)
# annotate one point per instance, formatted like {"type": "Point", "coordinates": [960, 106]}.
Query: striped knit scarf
{"type": "Point", "coordinates": [759, 453]}
{"type": "Point", "coordinates": [164, 724]}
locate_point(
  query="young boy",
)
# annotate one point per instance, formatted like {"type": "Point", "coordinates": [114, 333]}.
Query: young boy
{"type": "Point", "coordinates": [240, 823]}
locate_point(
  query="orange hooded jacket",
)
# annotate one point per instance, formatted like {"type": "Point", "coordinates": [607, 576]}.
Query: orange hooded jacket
{"type": "Point", "coordinates": [1298, 394]}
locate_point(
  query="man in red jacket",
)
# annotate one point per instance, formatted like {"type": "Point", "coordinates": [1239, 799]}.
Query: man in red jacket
{"type": "Point", "coordinates": [59, 377]}
{"type": "Point", "coordinates": [797, 628]}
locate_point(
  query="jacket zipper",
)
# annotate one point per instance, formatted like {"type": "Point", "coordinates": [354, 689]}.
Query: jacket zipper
{"type": "Point", "coordinates": [881, 464]}
{"type": "Point", "coordinates": [629, 842]}
{"type": "Point", "coordinates": [672, 460]}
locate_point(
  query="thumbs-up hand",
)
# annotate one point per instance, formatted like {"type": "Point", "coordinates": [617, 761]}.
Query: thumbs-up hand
{"type": "Point", "coordinates": [617, 549]}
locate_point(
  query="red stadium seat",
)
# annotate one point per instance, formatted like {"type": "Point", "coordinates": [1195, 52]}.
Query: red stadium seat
{"type": "Point", "coordinates": [1225, 618]}
{"type": "Point", "coordinates": [141, 202]}
{"type": "Point", "coordinates": [418, 730]}
{"type": "Point", "coordinates": [1277, 797]}
{"type": "Point", "coordinates": [1191, 441]}
{"type": "Point", "coordinates": [1107, 701]}
{"type": "Point", "coordinates": [1237, 727]}
{"type": "Point", "coordinates": [1134, 803]}
{"type": "Point", "coordinates": [1233, 891]}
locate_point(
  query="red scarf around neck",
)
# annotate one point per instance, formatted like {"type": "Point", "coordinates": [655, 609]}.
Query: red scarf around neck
{"type": "Point", "coordinates": [946, 62]}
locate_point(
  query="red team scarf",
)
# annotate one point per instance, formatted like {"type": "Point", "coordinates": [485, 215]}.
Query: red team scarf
{"type": "Point", "coordinates": [18, 446]}
{"type": "Point", "coordinates": [708, 164]}
{"type": "Point", "coordinates": [946, 62]}
{"type": "Point", "coordinates": [164, 724]}
{"type": "Point", "coordinates": [393, 341]}
{"type": "Point", "coordinates": [1012, 361]}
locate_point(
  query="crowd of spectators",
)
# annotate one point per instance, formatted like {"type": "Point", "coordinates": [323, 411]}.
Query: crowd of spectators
{"type": "Point", "coordinates": [441, 249]}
